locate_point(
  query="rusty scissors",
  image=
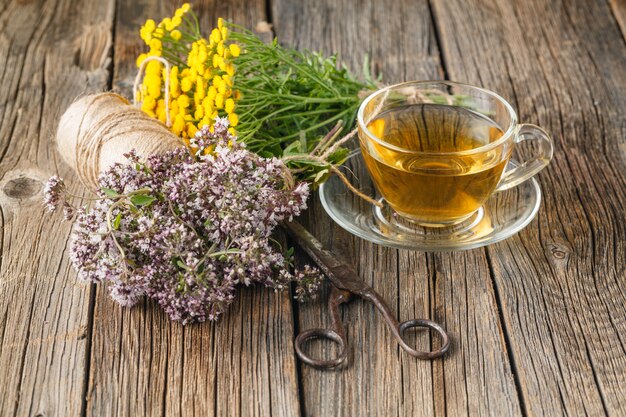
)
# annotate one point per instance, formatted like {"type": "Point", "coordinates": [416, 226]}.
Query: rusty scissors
{"type": "Point", "coordinates": [345, 283]}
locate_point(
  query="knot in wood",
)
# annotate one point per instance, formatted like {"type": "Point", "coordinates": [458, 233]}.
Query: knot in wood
{"type": "Point", "coordinates": [559, 251]}
{"type": "Point", "coordinates": [21, 188]}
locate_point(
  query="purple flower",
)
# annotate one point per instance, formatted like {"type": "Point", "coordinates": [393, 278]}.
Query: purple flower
{"type": "Point", "coordinates": [308, 281]}
{"type": "Point", "coordinates": [53, 192]}
{"type": "Point", "coordinates": [186, 229]}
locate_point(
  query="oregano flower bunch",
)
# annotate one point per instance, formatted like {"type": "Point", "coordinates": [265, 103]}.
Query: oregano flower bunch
{"type": "Point", "coordinates": [186, 228]}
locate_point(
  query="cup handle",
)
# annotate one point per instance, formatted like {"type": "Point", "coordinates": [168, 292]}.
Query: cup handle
{"type": "Point", "coordinates": [527, 169]}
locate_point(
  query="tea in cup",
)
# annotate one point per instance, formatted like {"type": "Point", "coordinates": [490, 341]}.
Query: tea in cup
{"type": "Point", "coordinates": [437, 150]}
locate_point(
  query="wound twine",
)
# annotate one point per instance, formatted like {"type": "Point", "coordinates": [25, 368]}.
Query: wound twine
{"type": "Point", "coordinates": [97, 130]}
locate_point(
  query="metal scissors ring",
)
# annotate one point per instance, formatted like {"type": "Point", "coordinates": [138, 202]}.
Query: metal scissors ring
{"type": "Point", "coordinates": [345, 284]}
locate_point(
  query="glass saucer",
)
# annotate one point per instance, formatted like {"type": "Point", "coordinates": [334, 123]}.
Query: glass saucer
{"type": "Point", "coordinates": [504, 214]}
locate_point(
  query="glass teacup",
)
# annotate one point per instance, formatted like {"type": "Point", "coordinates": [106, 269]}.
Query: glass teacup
{"type": "Point", "coordinates": [437, 150]}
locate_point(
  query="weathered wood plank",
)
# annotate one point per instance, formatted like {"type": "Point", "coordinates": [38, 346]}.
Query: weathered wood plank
{"type": "Point", "coordinates": [456, 290]}
{"type": "Point", "coordinates": [142, 364]}
{"type": "Point", "coordinates": [560, 281]}
{"type": "Point", "coordinates": [51, 52]}
{"type": "Point", "coordinates": [619, 11]}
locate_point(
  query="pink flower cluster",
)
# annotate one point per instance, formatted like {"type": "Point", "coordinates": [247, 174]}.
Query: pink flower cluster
{"type": "Point", "coordinates": [185, 229]}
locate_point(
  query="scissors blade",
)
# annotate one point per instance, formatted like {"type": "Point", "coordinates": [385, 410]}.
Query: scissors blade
{"type": "Point", "coordinates": [342, 275]}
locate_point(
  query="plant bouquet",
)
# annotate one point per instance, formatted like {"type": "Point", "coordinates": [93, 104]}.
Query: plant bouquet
{"type": "Point", "coordinates": [259, 125]}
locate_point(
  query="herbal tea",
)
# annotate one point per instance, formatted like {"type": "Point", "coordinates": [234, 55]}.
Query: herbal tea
{"type": "Point", "coordinates": [427, 182]}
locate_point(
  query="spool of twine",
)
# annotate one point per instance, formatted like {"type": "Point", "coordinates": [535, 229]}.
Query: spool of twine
{"type": "Point", "coordinates": [97, 130]}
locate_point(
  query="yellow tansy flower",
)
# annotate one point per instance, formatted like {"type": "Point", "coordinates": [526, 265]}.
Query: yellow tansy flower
{"type": "Point", "coordinates": [160, 111]}
{"type": "Point", "coordinates": [186, 84]}
{"type": "Point", "coordinates": [230, 70]}
{"type": "Point", "coordinates": [222, 87]}
{"type": "Point", "coordinates": [235, 50]}
{"type": "Point", "coordinates": [150, 25]}
{"type": "Point", "coordinates": [168, 24]}
{"type": "Point", "coordinates": [174, 83]}
{"type": "Point", "coordinates": [148, 104]}
{"type": "Point", "coordinates": [154, 68]}
{"type": "Point", "coordinates": [140, 59]}
{"type": "Point", "coordinates": [147, 30]}
{"type": "Point", "coordinates": [191, 130]}
{"type": "Point", "coordinates": [153, 85]}
{"type": "Point", "coordinates": [229, 105]}
{"type": "Point", "coordinates": [202, 54]}
{"type": "Point", "coordinates": [183, 101]}
{"type": "Point", "coordinates": [219, 101]}
{"type": "Point", "coordinates": [233, 119]}
{"type": "Point", "coordinates": [173, 107]}
{"type": "Point", "coordinates": [216, 61]}
{"type": "Point", "coordinates": [216, 35]}
{"type": "Point", "coordinates": [178, 125]}
{"type": "Point", "coordinates": [208, 108]}
{"type": "Point", "coordinates": [200, 89]}
{"type": "Point", "coordinates": [200, 82]}
{"type": "Point", "coordinates": [155, 44]}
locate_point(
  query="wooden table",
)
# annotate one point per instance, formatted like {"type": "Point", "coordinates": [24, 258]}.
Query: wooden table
{"type": "Point", "coordinates": [538, 322]}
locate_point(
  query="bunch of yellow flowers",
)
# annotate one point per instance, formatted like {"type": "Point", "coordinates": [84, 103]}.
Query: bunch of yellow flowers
{"type": "Point", "coordinates": [281, 101]}
{"type": "Point", "coordinates": [200, 74]}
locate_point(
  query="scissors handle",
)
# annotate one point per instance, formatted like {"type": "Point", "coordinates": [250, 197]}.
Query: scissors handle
{"type": "Point", "coordinates": [336, 334]}
{"type": "Point", "coordinates": [398, 329]}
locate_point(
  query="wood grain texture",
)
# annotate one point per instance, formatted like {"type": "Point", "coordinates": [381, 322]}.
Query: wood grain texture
{"type": "Point", "coordinates": [51, 52]}
{"type": "Point", "coordinates": [619, 11]}
{"type": "Point", "coordinates": [143, 364]}
{"type": "Point", "coordinates": [561, 281]}
{"type": "Point", "coordinates": [538, 322]}
{"type": "Point", "coordinates": [456, 290]}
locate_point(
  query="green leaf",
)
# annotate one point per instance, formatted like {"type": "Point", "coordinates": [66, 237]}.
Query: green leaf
{"type": "Point", "coordinates": [320, 175]}
{"type": "Point", "coordinates": [292, 149]}
{"type": "Point", "coordinates": [306, 161]}
{"type": "Point", "coordinates": [339, 156]}
{"type": "Point", "coordinates": [302, 143]}
{"type": "Point", "coordinates": [142, 200]}
{"type": "Point", "coordinates": [109, 192]}
{"type": "Point", "coordinates": [181, 264]}
{"type": "Point", "coordinates": [116, 222]}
